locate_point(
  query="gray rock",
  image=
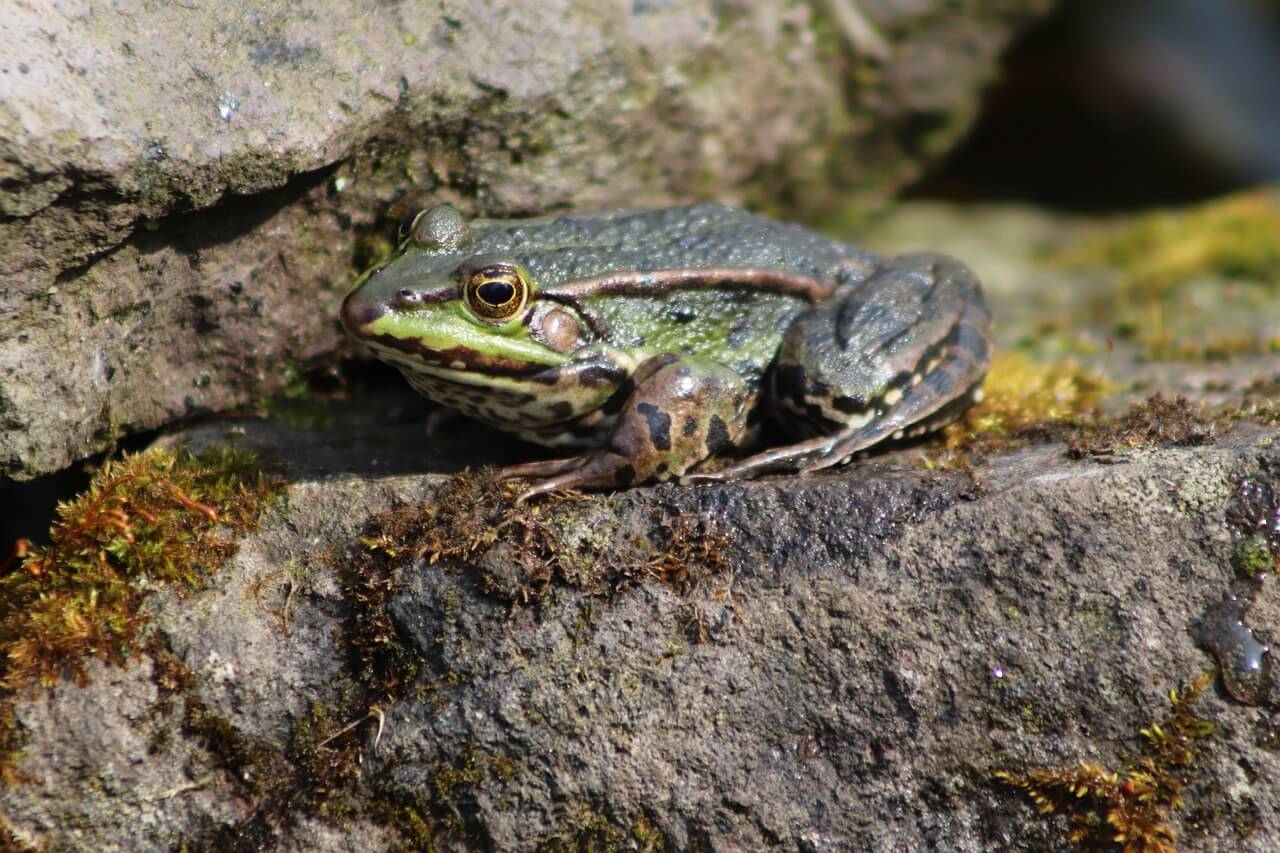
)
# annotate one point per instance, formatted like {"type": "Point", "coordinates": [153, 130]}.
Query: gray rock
{"type": "Point", "coordinates": [879, 642]}
{"type": "Point", "coordinates": [186, 190]}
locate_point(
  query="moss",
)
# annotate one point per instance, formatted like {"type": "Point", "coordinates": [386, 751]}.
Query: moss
{"type": "Point", "coordinates": [150, 519]}
{"type": "Point", "coordinates": [302, 402]}
{"type": "Point", "coordinates": [443, 812]}
{"type": "Point", "coordinates": [516, 551]}
{"type": "Point", "coordinates": [1167, 421]}
{"type": "Point", "coordinates": [10, 748]}
{"type": "Point", "coordinates": [1253, 516]}
{"type": "Point", "coordinates": [1024, 401]}
{"type": "Point", "coordinates": [1252, 556]}
{"type": "Point", "coordinates": [519, 550]}
{"type": "Point", "coordinates": [1130, 808]}
{"type": "Point", "coordinates": [1229, 243]}
{"type": "Point", "coordinates": [9, 843]}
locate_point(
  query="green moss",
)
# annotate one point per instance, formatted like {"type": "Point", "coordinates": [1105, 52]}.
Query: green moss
{"type": "Point", "coordinates": [160, 518]}
{"type": "Point", "coordinates": [10, 748]}
{"type": "Point", "coordinates": [1178, 272]}
{"type": "Point", "coordinates": [1131, 808]}
{"type": "Point", "coordinates": [1252, 556]}
{"type": "Point", "coordinates": [1023, 401]}
{"type": "Point", "coordinates": [371, 249]}
{"type": "Point", "coordinates": [442, 813]}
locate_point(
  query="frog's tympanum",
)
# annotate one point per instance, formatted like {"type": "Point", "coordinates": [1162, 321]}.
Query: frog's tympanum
{"type": "Point", "coordinates": [653, 341]}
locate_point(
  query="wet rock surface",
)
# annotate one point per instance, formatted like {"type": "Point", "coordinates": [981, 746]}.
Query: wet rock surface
{"type": "Point", "coordinates": [187, 190]}
{"type": "Point", "coordinates": [877, 644]}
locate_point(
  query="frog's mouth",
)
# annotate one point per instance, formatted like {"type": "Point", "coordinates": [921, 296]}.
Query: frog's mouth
{"type": "Point", "coordinates": [449, 363]}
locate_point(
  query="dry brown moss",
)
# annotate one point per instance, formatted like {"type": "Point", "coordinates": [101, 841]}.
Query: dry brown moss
{"type": "Point", "coordinates": [156, 518]}
{"type": "Point", "coordinates": [1130, 808]}
{"type": "Point", "coordinates": [1159, 421]}
{"type": "Point", "coordinates": [518, 552]}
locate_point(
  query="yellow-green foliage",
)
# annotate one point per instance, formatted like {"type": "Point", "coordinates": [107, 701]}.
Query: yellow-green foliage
{"type": "Point", "coordinates": [1021, 399]}
{"type": "Point", "coordinates": [1230, 240]}
{"type": "Point", "coordinates": [1130, 808]}
{"type": "Point", "coordinates": [1234, 237]}
{"type": "Point", "coordinates": [161, 517]}
{"type": "Point", "coordinates": [1019, 392]}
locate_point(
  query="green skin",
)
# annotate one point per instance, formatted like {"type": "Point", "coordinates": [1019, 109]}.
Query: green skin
{"type": "Point", "coordinates": [653, 340]}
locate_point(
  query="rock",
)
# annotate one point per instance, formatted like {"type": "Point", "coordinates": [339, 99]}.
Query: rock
{"type": "Point", "coordinates": [186, 192]}
{"type": "Point", "coordinates": [849, 675]}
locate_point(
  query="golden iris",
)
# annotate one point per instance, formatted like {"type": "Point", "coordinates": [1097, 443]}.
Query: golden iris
{"type": "Point", "coordinates": [495, 293]}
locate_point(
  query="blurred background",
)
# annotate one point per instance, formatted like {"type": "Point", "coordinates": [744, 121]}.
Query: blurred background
{"type": "Point", "coordinates": [1112, 105]}
{"type": "Point", "coordinates": [1105, 106]}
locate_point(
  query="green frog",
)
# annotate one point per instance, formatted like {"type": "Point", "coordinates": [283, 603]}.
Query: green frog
{"type": "Point", "coordinates": [653, 343]}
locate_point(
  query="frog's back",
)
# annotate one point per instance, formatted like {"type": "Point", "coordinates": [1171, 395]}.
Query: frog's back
{"type": "Point", "coordinates": [697, 236]}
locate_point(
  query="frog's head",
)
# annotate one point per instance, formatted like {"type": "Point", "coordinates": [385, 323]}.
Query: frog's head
{"type": "Point", "coordinates": [437, 307]}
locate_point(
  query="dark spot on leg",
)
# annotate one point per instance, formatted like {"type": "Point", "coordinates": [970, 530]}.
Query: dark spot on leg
{"type": "Point", "coordinates": [849, 405]}
{"type": "Point", "coordinates": [790, 382]}
{"type": "Point", "coordinates": [690, 426]}
{"type": "Point", "coordinates": [615, 402]}
{"type": "Point", "coordinates": [560, 410]}
{"type": "Point", "coordinates": [738, 336]}
{"type": "Point", "coordinates": [969, 339]}
{"type": "Point", "coordinates": [599, 375]}
{"type": "Point", "coordinates": [940, 383]}
{"type": "Point", "coordinates": [625, 475]}
{"type": "Point", "coordinates": [659, 425]}
{"type": "Point", "coordinates": [717, 435]}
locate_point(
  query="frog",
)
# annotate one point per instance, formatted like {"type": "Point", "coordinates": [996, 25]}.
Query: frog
{"type": "Point", "coordinates": [648, 345]}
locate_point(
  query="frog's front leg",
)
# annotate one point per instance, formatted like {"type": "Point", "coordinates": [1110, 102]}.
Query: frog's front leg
{"type": "Point", "coordinates": [900, 354]}
{"type": "Point", "coordinates": [682, 410]}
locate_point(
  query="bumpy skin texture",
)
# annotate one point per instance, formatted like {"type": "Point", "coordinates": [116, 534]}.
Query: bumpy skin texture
{"type": "Point", "coordinates": [609, 331]}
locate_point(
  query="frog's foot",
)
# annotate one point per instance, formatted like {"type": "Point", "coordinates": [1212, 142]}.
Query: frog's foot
{"type": "Point", "coordinates": [913, 416]}
{"type": "Point", "coordinates": [683, 410]}
{"type": "Point", "coordinates": [597, 469]}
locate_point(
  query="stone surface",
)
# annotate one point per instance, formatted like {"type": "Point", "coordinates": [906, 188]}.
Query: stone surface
{"type": "Point", "coordinates": [889, 638]}
{"type": "Point", "coordinates": [184, 188]}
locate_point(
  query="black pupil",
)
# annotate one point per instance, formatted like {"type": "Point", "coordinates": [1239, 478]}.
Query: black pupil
{"type": "Point", "coordinates": [406, 222]}
{"type": "Point", "coordinates": [495, 293]}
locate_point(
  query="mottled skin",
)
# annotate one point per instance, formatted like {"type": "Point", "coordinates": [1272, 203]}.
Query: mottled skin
{"type": "Point", "coordinates": [652, 339]}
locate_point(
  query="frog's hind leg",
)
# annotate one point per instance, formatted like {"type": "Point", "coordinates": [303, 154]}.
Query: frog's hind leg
{"type": "Point", "coordinates": [898, 356]}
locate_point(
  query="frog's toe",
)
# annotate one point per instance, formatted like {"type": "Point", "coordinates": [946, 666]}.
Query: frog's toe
{"type": "Point", "coordinates": [592, 470]}
{"type": "Point", "coordinates": [791, 457]}
{"type": "Point", "coordinates": [543, 468]}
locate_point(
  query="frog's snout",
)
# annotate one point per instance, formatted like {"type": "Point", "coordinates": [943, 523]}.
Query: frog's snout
{"type": "Point", "coordinates": [357, 313]}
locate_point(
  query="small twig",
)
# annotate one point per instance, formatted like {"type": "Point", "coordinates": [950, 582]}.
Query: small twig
{"type": "Point", "coordinates": [182, 788]}
{"type": "Point", "coordinates": [858, 30]}
{"type": "Point", "coordinates": [375, 713]}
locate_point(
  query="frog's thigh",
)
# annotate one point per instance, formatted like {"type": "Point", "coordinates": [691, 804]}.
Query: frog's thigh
{"type": "Point", "coordinates": [898, 357]}
{"type": "Point", "coordinates": [683, 409]}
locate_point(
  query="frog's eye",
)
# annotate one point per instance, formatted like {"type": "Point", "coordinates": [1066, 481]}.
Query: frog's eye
{"type": "Point", "coordinates": [495, 293]}
{"type": "Point", "coordinates": [405, 228]}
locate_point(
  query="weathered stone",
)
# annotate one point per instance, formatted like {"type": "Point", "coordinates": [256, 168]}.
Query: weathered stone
{"type": "Point", "coordinates": [889, 638]}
